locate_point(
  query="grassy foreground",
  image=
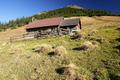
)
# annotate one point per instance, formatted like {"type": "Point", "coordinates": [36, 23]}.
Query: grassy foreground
{"type": "Point", "coordinates": [18, 61]}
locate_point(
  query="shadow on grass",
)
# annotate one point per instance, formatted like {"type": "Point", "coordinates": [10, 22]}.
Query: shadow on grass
{"type": "Point", "coordinates": [75, 38]}
{"type": "Point", "coordinates": [83, 48]}
{"type": "Point", "coordinates": [60, 70]}
{"type": "Point", "coordinates": [118, 29]}
{"type": "Point", "coordinates": [117, 47]}
{"type": "Point", "coordinates": [114, 77]}
{"type": "Point", "coordinates": [77, 49]}
{"type": "Point", "coordinates": [118, 39]}
{"type": "Point", "coordinates": [51, 54]}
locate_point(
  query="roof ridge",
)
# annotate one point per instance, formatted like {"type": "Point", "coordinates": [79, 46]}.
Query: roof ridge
{"type": "Point", "coordinates": [45, 22]}
{"type": "Point", "coordinates": [45, 19]}
{"type": "Point", "coordinates": [50, 18]}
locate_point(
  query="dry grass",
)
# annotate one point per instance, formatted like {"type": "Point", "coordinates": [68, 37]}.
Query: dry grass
{"type": "Point", "coordinates": [109, 18]}
{"type": "Point", "coordinates": [19, 62]}
{"type": "Point", "coordinates": [5, 36]}
{"type": "Point", "coordinates": [98, 20]}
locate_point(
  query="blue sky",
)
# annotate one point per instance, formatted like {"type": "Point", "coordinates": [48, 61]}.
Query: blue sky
{"type": "Point", "coordinates": [12, 9]}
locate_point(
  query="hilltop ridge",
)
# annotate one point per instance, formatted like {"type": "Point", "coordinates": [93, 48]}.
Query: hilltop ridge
{"type": "Point", "coordinates": [75, 6]}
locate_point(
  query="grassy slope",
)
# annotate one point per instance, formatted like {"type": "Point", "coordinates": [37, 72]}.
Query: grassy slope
{"type": "Point", "coordinates": [18, 61]}
{"type": "Point", "coordinates": [5, 36]}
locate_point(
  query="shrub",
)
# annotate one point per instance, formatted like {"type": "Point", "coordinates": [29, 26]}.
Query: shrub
{"type": "Point", "coordinates": [93, 32]}
{"type": "Point", "coordinates": [65, 71]}
{"type": "Point", "coordinates": [70, 72]}
{"type": "Point", "coordinates": [88, 45]}
{"type": "Point", "coordinates": [115, 76]}
{"type": "Point", "coordinates": [60, 50]}
{"type": "Point", "coordinates": [72, 66]}
{"type": "Point", "coordinates": [101, 74]}
{"type": "Point", "coordinates": [101, 40]}
{"type": "Point", "coordinates": [77, 35]}
{"type": "Point", "coordinates": [44, 48]}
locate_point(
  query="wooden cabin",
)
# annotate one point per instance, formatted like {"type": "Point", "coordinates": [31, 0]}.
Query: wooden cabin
{"type": "Point", "coordinates": [53, 26]}
{"type": "Point", "coordinates": [69, 26]}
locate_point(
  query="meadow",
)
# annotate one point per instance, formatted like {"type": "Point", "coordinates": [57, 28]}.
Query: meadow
{"type": "Point", "coordinates": [19, 61]}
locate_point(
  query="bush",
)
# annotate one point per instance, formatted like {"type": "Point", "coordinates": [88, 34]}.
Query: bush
{"type": "Point", "coordinates": [44, 48]}
{"type": "Point", "coordinates": [93, 32]}
{"type": "Point", "coordinates": [60, 50]}
{"type": "Point", "coordinates": [101, 74]}
{"type": "Point", "coordinates": [115, 76]}
{"type": "Point", "coordinates": [65, 71]}
{"type": "Point", "coordinates": [70, 72]}
{"type": "Point", "coordinates": [77, 35]}
{"type": "Point", "coordinates": [88, 45]}
{"type": "Point", "coordinates": [101, 40]}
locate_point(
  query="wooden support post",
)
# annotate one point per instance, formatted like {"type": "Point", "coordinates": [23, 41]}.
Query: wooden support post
{"type": "Point", "coordinates": [12, 39]}
{"type": "Point", "coordinates": [68, 29]}
{"type": "Point", "coordinates": [58, 30]}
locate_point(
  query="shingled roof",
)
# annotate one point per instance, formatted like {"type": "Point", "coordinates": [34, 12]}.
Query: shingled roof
{"type": "Point", "coordinates": [45, 23]}
{"type": "Point", "coordinates": [70, 22]}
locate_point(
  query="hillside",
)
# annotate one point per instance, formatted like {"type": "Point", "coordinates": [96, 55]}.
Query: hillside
{"type": "Point", "coordinates": [72, 11]}
{"type": "Point", "coordinates": [68, 11]}
{"type": "Point", "coordinates": [5, 36]}
{"type": "Point", "coordinates": [20, 61]}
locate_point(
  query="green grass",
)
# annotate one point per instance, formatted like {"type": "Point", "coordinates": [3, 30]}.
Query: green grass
{"type": "Point", "coordinates": [19, 62]}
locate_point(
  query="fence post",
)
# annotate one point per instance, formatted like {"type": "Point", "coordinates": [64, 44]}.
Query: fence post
{"type": "Point", "coordinates": [11, 39]}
